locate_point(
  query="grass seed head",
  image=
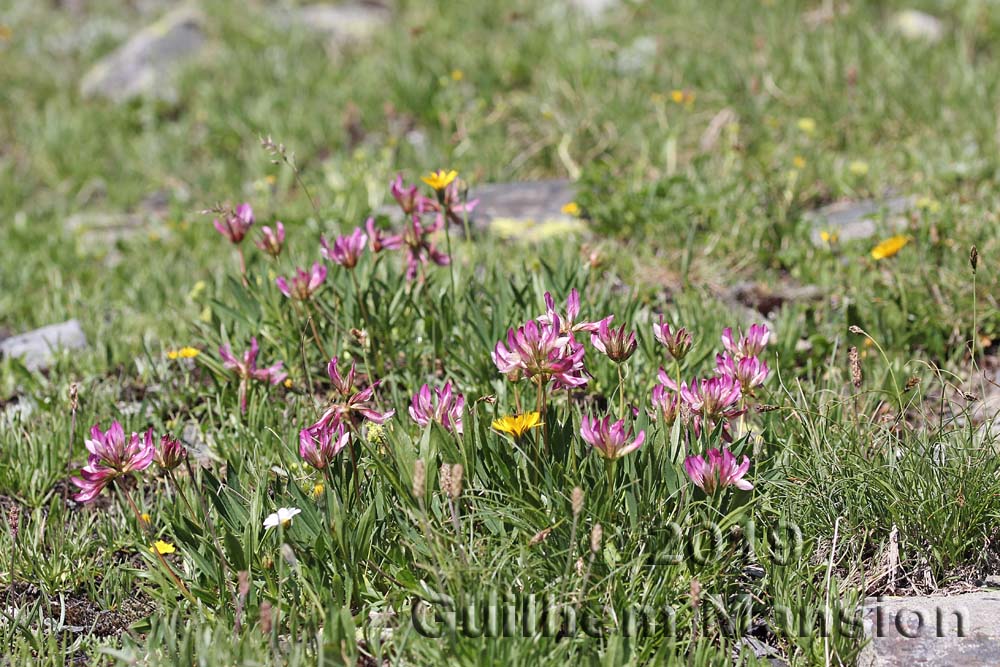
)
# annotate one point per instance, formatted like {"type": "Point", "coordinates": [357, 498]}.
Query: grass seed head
{"type": "Point", "coordinates": [596, 535]}
{"type": "Point", "coordinates": [419, 478]}
{"type": "Point", "coordinates": [577, 501]}
{"type": "Point", "coordinates": [856, 377]}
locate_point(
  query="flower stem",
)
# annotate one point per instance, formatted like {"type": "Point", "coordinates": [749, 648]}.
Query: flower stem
{"type": "Point", "coordinates": [621, 392]}
{"type": "Point", "coordinates": [243, 266]}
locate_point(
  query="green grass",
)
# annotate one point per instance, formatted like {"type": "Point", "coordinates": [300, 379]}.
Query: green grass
{"type": "Point", "coordinates": [892, 464]}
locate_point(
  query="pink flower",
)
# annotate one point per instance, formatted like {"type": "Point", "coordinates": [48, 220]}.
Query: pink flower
{"type": "Point", "coordinates": [610, 440]}
{"type": "Point", "coordinates": [111, 456]}
{"type": "Point", "coordinates": [272, 240]}
{"type": "Point", "coordinates": [710, 400]}
{"type": "Point", "coordinates": [319, 445]}
{"type": "Point", "coordinates": [443, 407]}
{"type": "Point", "coordinates": [666, 403]}
{"type": "Point", "coordinates": [678, 343]}
{"type": "Point", "coordinates": [304, 284]}
{"type": "Point", "coordinates": [719, 471]}
{"type": "Point", "coordinates": [750, 345]}
{"type": "Point", "coordinates": [454, 208]}
{"type": "Point", "coordinates": [358, 405]}
{"type": "Point", "coordinates": [379, 241]}
{"type": "Point", "coordinates": [246, 369]}
{"type": "Point", "coordinates": [171, 453]}
{"type": "Point", "coordinates": [537, 349]}
{"type": "Point", "coordinates": [750, 372]}
{"type": "Point", "coordinates": [409, 198]}
{"type": "Point", "coordinates": [236, 225]}
{"type": "Point", "coordinates": [346, 250]}
{"type": "Point", "coordinates": [419, 249]}
{"type": "Point", "coordinates": [568, 323]}
{"type": "Point", "coordinates": [614, 342]}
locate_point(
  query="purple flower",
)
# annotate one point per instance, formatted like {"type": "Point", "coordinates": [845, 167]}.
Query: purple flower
{"type": "Point", "coordinates": [750, 345]}
{"type": "Point", "coordinates": [320, 444]}
{"type": "Point", "coordinates": [537, 349]}
{"type": "Point", "coordinates": [610, 440]}
{"type": "Point", "coordinates": [454, 208]}
{"type": "Point", "coordinates": [111, 456]}
{"type": "Point", "coordinates": [272, 240]}
{"type": "Point", "coordinates": [346, 250]}
{"type": "Point", "coordinates": [678, 343]}
{"type": "Point", "coordinates": [379, 241]}
{"type": "Point", "coordinates": [615, 343]}
{"type": "Point", "coordinates": [354, 406]}
{"type": "Point", "coordinates": [750, 372]}
{"type": "Point", "coordinates": [419, 248]}
{"type": "Point", "coordinates": [442, 406]}
{"type": "Point", "coordinates": [719, 471]}
{"type": "Point", "coordinates": [246, 369]}
{"type": "Point", "coordinates": [171, 453]}
{"type": "Point", "coordinates": [666, 403]}
{"type": "Point", "coordinates": [235, 226]}
{"type": "Point", "coordinates": [710, 400]}
{"type": "Point", "coordinates": [568, 322]}
{"type": "Point", "coordinates": [409, 198]}
{"type": "Point", "coordinates": [304, 284]}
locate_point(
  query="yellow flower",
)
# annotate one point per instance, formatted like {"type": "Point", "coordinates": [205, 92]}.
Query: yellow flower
{"type": "Point", "coordinates": [162, 548]}
{"type": "Point", "coordinates": [288, 383]}
{"type": "Point", "coordinates": [183, 353]}
{"type": "Point", "coordinates": [685, 97]}
{"type": "Point", "coordinates": [145, 518]}
{"type": "Point", "coordinates": [829, 237]}
{"type": "Point", "coordinates": [799, 162]}
{"type": "Point", "coordinates": [196, 290]}
{"type": "Point", "coordinates": [5, 32]}
{"type": "Point", "coordinates": [807, 125]}
{"type": "Point", "coordinates": [440, 179]}
{"type": "Point", "coordinates": [571, 208]}
{"type": "Point", "coordinates": [457, 75]}
{"type": "Point", "coordinates": [317, 490]}
{"type": "Point", "coordinates": [889, 247]}
{"type": "Point", "coordinates": [858, 167]}
{"type": "Point", "coordinates": [517, 425]}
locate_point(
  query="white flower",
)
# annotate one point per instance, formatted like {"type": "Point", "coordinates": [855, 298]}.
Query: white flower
{"type": "Point", "coordinates": [282, 517]}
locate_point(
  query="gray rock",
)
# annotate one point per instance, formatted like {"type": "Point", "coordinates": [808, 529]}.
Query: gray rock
{"type": "Point", "coordinates": [942, 630]}
{"type": "Point", "coordinates": [917, 25]}
{"type": "Point", "coordinates": [594, 9]}
{"type": "Point", "coordinates": [36, 349]}
{"type": "Point", "coordinates": [528, 211]}
{"type": "Point", "coordinates": [854, 220]}
{"type": "Point", "coordinates": [342, 24]}
{"type": "Point", "coordinates": [637, 56]}
{"type": "Point", "coordinates": [147, 63]}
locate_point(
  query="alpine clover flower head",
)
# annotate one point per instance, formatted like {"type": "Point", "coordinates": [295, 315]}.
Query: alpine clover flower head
{"type": "Point", "coordinates": [615, 343]}
{"type": "Point", "coordinates": [346, 250]}
{"type": "Point", "coordinates": [567, 322]}
{"type": "Point", "coordinates": [709, 400]}
{"type": "Point", "coordinates": [678, 342]}
{"type": "Point", "coordinates": [454, 205]}
{"type": "Point", "coordinates": [379, 241]}
{"type": "Point", "coordinates": [718, 471]}
{"type": "Point", "coordinates": [440, 179]}
{"type": "Point", "coordinates": [539, 350]}
{"type": "Point", "coordinates": [342, 384]}
{"type": "Point", "coordinates": [319, 446]}
{"type": "Point", "coordinates": [442, 405]}
{"type": "Point", "coordinates": [409, 198]}
{"type": "Point", "coordinates": [304, 283]}
{"type": "Point", "coordinates": [750, 372]}
{"type": "Point", "coordinates": [235, 225]}
{"type": "Point", "coordinates": [272, 240]}
{"type": "Point", "coordinates": [246, 369]}
{"type": "Point", "coordinates": [750, 345]}
{"type": "Point", "coordinates": [517, 425]}
{"type": "Point", "coordinates": [111, 456]}
{"type": "Point", "coordinates": [419, 249]}
{"type": "Point", "coordinates": [666, 404]}
{"type": "Point", "coordinates": [171, 453]}
{"type": "Point", "coordinates": [611, 441]}
{"type": "Point", "coordinates": [352, 406]}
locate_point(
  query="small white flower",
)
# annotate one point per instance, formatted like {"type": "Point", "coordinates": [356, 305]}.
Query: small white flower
{"type": "Point", "coordinates": [282, 517]}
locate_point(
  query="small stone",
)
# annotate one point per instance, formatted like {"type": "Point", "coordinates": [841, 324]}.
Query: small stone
{"type": "Point", "coordinates": [529, 211]}
{"type": "Point", "coordinates": [915, 25]}
{"type": "Point", "coordinates": [342, 24]}
{"type": "Point", "coordinates": [855, 220]}
{"type": "Point", "coordinates": [146, 64]}
{"type": "Point", "coordinates": [36, 349]}
{"type": "Point", "coordinates": [941, 630]}
{"type": "Point", "coordinates": [594, 9]}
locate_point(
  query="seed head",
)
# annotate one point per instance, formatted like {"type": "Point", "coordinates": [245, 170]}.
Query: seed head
{"type": "Point", "coordinates": [576, 500]}
{"type": "Point", "coordinates": [596, 535]}
{"type": "Point", "coordinates": [856, 378]}
{"type": "Point", "coordinates": [445, 479]}
{"type": "Point", "coordinates": [455, 489]}
{"type": "Point", "coordinates": [74, 396]}
{"type": "Point", "coordinates": [419, 478]}
{"type": "Point", "coordinates": [974, 258]}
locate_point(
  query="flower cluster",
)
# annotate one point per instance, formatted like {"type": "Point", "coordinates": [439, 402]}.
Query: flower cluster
{"type": "Point", "coordinates": [443, 406]}
{"type": "Point", "coordinates": [246, 369]}
{"type": "Point", "coordinates": [113, 455]}
{"type": "Point", "coordinates": [718, 471]}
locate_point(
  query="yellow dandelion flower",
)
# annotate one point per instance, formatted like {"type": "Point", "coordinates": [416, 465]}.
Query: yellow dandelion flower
{"type": "Point", "coordinates": [829, 237]}
{"type": "Point", "coordinates": [889, 247]}
{"type": "Point", "coordinates": [317, 490]}
{"type": "Point", "coordinates": [457, 75]}
{"type": "Point", "coordinates": [799, 162]}
{"type": "Point", "coordinates": [679, 96]}
{"type": "Point", "coordinates": [858, 167]}
{"type": "Point", "coordinates": [440, 179]}
{"type": "Point", "coordinates": [188, 352]}
{"type": "Point", "coordinates": [162, 548]}
{"type": "Point", "coordinates": [173, 355]}
{"type": "Point", "coordinates": [517, 425]}
{"type": "Point", "coordinates": [571, 208]}
{"type": "Point", "coordinates": [145, 518]}
{"type": "Point", "coordinates": [288, 383]}
{"type": "Point", "coordinates": [807, 125]}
